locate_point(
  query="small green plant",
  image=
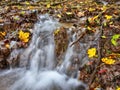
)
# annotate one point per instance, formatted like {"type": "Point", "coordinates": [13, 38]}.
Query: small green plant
{"type": "Point", "coordinates": [114, 39]}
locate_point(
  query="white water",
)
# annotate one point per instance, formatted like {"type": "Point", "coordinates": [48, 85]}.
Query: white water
{"type": "Point", "coordinates": [43, 72]}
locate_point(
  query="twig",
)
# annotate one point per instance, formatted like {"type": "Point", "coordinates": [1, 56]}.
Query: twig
{"type": "Point", "coordinates": [31, 4]}
{"type": "Point", "coordinates": [83, 33]}
{"type": "Point", "coordinates": [92, 77]}
{"type": "Point", "coordinates": [22, 4]}
{"type": "Point", "coordinates": [99, 58]}
{"type": "Point", "coordinates": [57, 3]}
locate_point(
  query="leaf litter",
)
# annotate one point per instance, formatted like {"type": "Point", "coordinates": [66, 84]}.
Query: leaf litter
{"type": "Point", "coordinates": [18, 17]}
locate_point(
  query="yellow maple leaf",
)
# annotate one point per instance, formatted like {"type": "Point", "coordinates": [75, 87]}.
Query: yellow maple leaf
{"type": "Point", "coordinates": [108, 17]}
{"type": "Point", "coordinates": [24, 36]}
{"type": "Point", "coordinates": [108, 60]}
{"type": "Point", "coordinates": [91, 52]}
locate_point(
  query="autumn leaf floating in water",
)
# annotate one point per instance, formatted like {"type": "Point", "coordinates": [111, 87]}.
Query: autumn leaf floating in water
{"type": "Point", "coordinates": [24, 36]}
{"type": "Point", "coordinates": [91, 52]}
{"type": "Point", "coordinates": [108, 61]}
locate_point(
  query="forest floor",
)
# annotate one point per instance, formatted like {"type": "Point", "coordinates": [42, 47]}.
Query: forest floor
{"type": "Point", "coordinates": [17, 19]}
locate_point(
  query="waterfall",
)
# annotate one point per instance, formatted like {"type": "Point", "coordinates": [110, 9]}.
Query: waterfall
{"type": "Point", "coordinates": [43, 72]}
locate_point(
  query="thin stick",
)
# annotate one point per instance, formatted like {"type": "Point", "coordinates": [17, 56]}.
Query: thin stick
{"type": "Point", "coordinates": [92, 77]}
{"type": "Point", "coordinates": [78, 38]}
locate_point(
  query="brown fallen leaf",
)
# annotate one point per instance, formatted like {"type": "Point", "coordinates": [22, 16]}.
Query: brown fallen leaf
{"type": "Point", "coordinates": [80, 14]}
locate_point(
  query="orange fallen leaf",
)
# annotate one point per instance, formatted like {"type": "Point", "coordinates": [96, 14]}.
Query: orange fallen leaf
{"type": "Point", "coordinates": [108, 60]}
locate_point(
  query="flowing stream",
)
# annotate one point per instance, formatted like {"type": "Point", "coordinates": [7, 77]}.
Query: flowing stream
{"type": "Point", "coordinates": [42, 72]}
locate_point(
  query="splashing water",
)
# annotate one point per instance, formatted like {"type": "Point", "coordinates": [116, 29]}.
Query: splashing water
{"type": "Point", "coordinates": [43, 72]}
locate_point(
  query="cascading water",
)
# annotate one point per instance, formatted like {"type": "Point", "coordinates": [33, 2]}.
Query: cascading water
{"type": "Point", "coordinates": [43, 72]}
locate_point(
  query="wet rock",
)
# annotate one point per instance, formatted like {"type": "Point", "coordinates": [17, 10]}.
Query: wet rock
{"type": "Point", "coordinates": [3, 54]}
{"type": "Point", "coordinates": [3, 63]}
{"type": "Point", "coordinates": [61, 41]}
{"type": "Point", "coordinates": [13, 59]}
{"type": "Point", "coordinates": [7, 78]}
